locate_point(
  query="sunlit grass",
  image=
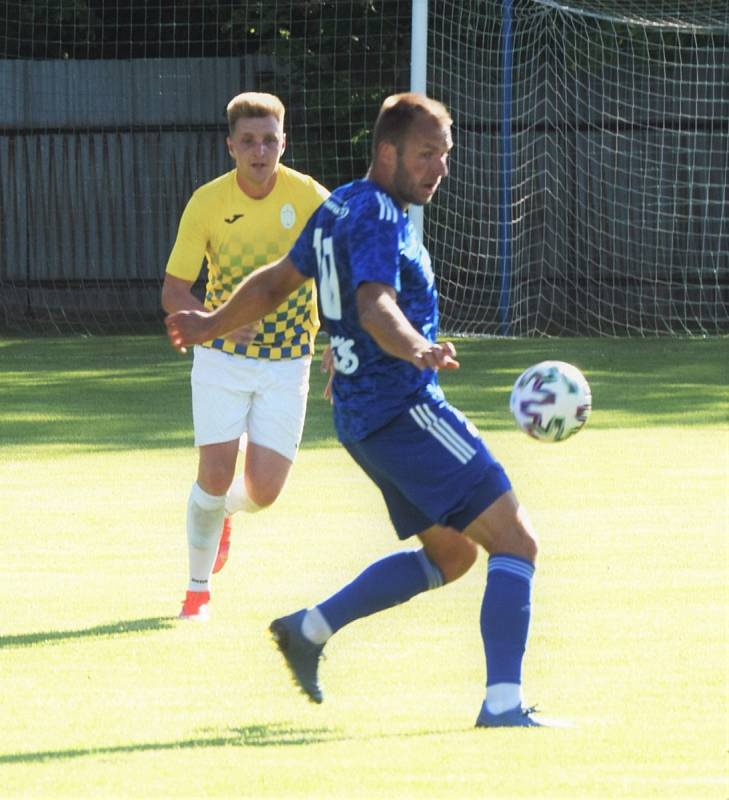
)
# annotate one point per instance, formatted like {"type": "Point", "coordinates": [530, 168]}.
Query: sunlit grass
{"type": "Point", "coordinates": [106, 694]}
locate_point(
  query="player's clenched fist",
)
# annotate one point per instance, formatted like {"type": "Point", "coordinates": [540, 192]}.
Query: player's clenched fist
{"type": "Point", "coordinates": [186, 328]}
{"type": "Point", "coordinates": [437, 356]}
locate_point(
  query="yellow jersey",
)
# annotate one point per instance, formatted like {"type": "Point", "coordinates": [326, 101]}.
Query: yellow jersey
{"type": "Point", "coordinates": [237, 234]}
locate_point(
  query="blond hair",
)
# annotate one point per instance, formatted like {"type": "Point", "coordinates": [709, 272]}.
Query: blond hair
{"type": "Point", "coordinates": [254, 104]}
{"type": "Point", "coordinates": [399, 111]}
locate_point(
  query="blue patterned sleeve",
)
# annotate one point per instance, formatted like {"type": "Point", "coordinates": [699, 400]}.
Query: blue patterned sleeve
{"type": "Point", "coordinates": [373, 241]}
{"type": "Point", "coordinates": [302, 253]}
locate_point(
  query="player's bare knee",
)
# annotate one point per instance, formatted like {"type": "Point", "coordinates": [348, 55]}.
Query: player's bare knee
{"type": "Point", "coordinates": [518, 541]}
{"type": "Point", "coordinates": [261, 502]}
{"type": "Point", "coordinates": [531, 547]}
{"type": "Point", "coordinates": [263, 496]}
{"type": "Point", "coordinates": [215, 480]}
{"type": "Point", "coordinates": [513, 538]}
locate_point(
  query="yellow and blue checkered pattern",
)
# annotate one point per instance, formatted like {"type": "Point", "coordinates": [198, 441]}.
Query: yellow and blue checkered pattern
{"type": "Point", "coordinates": [287, 333]}
{"type": "Point", "coordinates": [237, 235]}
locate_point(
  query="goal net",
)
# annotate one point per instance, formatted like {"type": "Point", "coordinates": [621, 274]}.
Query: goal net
{"type": "Point", "coordinates": [589, 183]}
{"type": "Point", "coordinates": [588, 188]}
{"type": "Point", "coordinates": [113, 114]}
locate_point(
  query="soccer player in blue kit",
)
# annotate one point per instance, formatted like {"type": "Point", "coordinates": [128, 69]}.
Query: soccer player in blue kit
{"type": "Point", "coordinates": [438, 479]}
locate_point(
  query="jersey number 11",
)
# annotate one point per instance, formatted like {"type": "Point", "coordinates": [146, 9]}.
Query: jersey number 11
{"type": "Point", "coordinates": [331, 304]}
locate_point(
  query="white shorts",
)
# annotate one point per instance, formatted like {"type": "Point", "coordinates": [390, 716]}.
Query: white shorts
{"type": "Point", "coordinates": [233, 395]}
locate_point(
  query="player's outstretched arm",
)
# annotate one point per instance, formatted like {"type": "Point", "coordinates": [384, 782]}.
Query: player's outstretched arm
{"type": "Point", "coordinates": [257, 296]}
{"type": "Point", "coordinates": [381, 317]}
{"type": "Point", "coordinates": [177, 296]}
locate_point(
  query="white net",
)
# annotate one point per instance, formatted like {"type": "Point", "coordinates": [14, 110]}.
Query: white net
{"type": "Point", "coordinates": [113, 114]}
{"type": "Point", "coordinates": [588, 192]}
{"type": "Point", "coordinates": [689, 15]}
{"type": "Point", "coordinates": [589, 186]}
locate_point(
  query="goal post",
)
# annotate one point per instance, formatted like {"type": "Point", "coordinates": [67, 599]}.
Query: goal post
{"type": "Point", "coordinates": [419, 75]}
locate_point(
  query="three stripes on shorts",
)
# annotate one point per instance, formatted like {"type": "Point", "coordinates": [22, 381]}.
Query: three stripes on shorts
{"type": "Point", "coordinates": [443, 431]}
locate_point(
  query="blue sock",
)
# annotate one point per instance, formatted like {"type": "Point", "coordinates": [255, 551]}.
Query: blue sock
{"type": "Point", "coordinates": [505, 614]}
{"type": "Point", "coordinates": [385, 583]}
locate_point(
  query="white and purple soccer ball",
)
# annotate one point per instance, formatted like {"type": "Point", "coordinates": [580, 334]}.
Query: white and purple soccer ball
{"type": "Point", "coordinates": [551, 401]}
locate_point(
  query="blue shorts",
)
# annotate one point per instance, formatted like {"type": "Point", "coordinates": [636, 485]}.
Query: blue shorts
{"type": "Point", "coordinates": [432, 467]}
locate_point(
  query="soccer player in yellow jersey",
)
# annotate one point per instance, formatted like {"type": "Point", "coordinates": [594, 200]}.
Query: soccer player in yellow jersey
{"type": "Point", "coordinates": [252, 383]}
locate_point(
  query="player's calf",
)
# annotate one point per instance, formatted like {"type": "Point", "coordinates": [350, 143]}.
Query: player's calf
{"type": "Point", "coordinates": [452, 552]}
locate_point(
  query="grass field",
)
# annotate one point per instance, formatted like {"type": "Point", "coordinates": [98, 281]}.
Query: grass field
{"type": "Point", "coordinates": [106, 694]}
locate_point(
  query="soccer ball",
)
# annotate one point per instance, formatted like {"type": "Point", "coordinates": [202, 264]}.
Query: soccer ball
{"type": "Point", "coordinates": [551, 401]}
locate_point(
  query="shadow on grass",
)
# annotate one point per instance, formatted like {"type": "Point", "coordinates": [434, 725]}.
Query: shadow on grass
{"type": "Point", "coordinates": [112, 629]}
{"type": "Point", "coordinates": [274, 735]}
{"type": "Point", "coordinates": [107, 394]}
{"type": "Point", "coordinates": [121, 393]}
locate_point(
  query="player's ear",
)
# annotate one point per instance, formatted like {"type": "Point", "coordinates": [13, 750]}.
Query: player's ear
{"type": "Point", "coordinates": [387, 154]}
{"type": "Point", "coordinates": [229, 143]}
{"type": "Point", "coordinates": [283, 142]}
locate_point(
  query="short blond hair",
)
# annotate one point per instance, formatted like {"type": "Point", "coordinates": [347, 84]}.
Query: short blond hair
{"type": "Point", "coordinates": [399, 111]}
{"type": "Point", "coordinates": [254, 104]}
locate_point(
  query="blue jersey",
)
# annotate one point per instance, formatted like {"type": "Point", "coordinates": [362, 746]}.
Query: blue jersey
{"type": "Point", "coordinates": [358, 235]}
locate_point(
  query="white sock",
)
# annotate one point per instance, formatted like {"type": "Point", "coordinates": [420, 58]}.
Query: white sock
{"type": "Point", "coordinates": [501, 697]}
{"type": "Point", "coordinates": [314, 627]}
{"type": "Point", "coordinates": [237, 498]}
{"type": "Point", "coordinates": [205, 513]}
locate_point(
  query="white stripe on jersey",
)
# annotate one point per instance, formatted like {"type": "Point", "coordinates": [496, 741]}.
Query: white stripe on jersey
{"type": "Point", "coordinates": [443, 432]}
{"type": "Point", "coordinates": [388, 212]}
